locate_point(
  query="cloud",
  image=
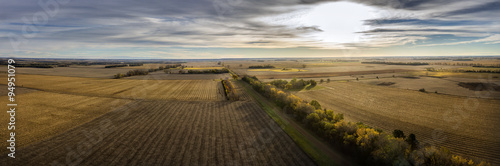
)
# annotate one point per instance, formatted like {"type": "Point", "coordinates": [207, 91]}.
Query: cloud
{"type": "Point", "coordinates": [493, 39]}
{"type": "Point", "coordinates": [93, 24]}
{"type": "Point", "coordinates": [310, 28]}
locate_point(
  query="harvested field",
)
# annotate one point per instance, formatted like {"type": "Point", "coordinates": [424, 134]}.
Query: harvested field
{"type": "Point", "coordinates": [19, 90]}
{"type": "Point", "coordinates": [386, 83]}
{"type": "Point", "coordinates": [466, 126]}
{"type": "Point", "coordinates": [170, 133]}
{"type": "Point", "coordinates": [41, 115]}
{"type": "Point", "coordinates": [479, 86]}
{"type": "Point", "coordinates": [95, 71]}
{"type": "Point", "coordinates": [450, 86]}
{"type": "Point", "coordinates": [124, 88]}
{"type": "Point", "coordinates": [329, 74]}
{"type": "Point", "coordinates": [163, 76]}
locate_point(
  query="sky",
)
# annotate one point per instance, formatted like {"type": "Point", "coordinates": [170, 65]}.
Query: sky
{"type": "Point", "coordinates": [209, 29]}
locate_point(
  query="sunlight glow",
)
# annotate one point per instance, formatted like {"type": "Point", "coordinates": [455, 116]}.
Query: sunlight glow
{"type": "Point", "coordinates": [339, 21]}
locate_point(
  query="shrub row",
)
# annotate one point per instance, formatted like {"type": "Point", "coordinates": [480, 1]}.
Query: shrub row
{"type": "Point", "coordinates": [123, 65]}
{"type": "Point", "coordinates": [373, 146]}
{"type": "Point", "coordinates": [293, 84]}
{"type": "Point", "coordinates": [172, 66]}
{"type": "Point", "coordinates": [131, 73]}
{"type": "Point", "coordinates": [490, 70]}
{"type": "Point", "coordinates": [468, 64]}
{"type": "Point", "coordinates": [34, 65]}
{"type": "Point", "coordinates": [398, 63]}
{"type": "Point", "coordinates": [212, 71]}
{"type": "Point", "coordinates": [261, 67]}
{"type": "Point", "coordinates": [113, 66]}
{"type": "Point", "coordinates": [229, 90]}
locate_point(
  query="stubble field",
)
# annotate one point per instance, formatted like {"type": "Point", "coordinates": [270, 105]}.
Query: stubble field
{"type": "Point", "coordinates": [206, 90]}
{"type": "Point", "coordinates": [466, 126]}
{"type": "Point", "coordinates": [94, 121]}
{"type": "Point", "coordinates": [171, 133]}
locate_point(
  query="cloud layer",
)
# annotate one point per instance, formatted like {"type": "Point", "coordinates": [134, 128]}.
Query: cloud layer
{"type": "Point", "coordinates": [56, 27]}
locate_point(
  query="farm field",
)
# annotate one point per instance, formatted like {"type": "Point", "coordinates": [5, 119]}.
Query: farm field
{"type": "Point", "coordinates": [466, 126]}
{"type": "Point", "coordinates": [171, 133]}
{"type": "Point", "coordinates": [162, 76]}
{"type": "Point", "coordinates": [125, 88]}
{"type": "Point", "coordinates": [440, 85]}
{"type": "Point", "coordinates": [42, 115]}
{"type": "Point", "coordinates": [79, 115]}
{"type": "Point", "coordinates": [94, 71]}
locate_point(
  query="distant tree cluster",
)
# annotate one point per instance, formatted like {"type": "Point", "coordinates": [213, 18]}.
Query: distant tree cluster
{"type": "Point", "coordinates": [293, 84]}
{"type": "Point", "coordinates": [63, 65]}
{"type": "Point", "coordinates": [261, 67]}
{"type": "Point", "coordinates": [462, 59]}
{"type": "Point", "coordinates": [135, 64]}
{"type": "Point", "coordinates": [131, 73]}
{"type": "Point", "coordinates": [488, 70]}
{"type": "Point", "coordinates": [123, 65]}
{"type": "Point", "coordinates": [397, 63]}
{"type": "Point", "coordinates": [211, 71]}
{"type": "Point", "coordinates": [35, 65]}
{"type": "Point", "coordinates": [113, 66]}
{"type": "Point", "coordinates": [172, 66]}
{"type": "Point", "coordinates": [468, 64]}
{"type": "Point", "coordinates": [229, 90]}
{"type": "Point", "coordinates": [373, 144]}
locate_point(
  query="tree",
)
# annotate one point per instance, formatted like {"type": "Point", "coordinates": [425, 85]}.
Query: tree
{"type": "Point", "coordinates": [328, 80]}
{"type": "Point", "coordinates": [412, 141]}
{"type": "Point", "coordinates": [321, 81]}
{"type": "Point", "coordinates": [303, 65]}
{"type": "Point", "coordinates": [398, 134]}
{"type": "Point", "coordinates": [312, 82]}
{"type": "Point", "coordinates": [315, 104]}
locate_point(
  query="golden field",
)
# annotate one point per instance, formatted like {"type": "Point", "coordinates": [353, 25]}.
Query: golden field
{"type": "Point", "coordinates": [41, 115]}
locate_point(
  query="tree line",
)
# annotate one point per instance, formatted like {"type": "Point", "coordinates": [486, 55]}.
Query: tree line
{"type": "Point", "coordinates": [491, 70]}
{"type": "Point", "coordinates": [468, 64]}
{"type": "Point", "coordinates": [35, 65]}
{"type": "Point", "coordinates": [261, 67]}
{"type": "Point", "coordinates": [123, 65]}
{"type": "Point", "coordinates": [398, 63]}
{"type": "Point", "coordinates": [211, 71]}
{"type": "Point", "coordinates": [293, 84]}
{"type": "Point", "coordinates": [229, 90]}
{"type": "Point", "coordinates": [372, 145]}
{"type": "Point", "coordinates": [131, 73]}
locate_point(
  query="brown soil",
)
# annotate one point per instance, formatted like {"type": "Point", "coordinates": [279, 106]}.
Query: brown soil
{"type": "Point", "coordinates": [479, 86]}
{"type": "Point", "coordinates": [170, 133]}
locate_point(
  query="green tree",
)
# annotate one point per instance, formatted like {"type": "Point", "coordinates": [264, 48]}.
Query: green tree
{"type": "Point", "coordinates": [412, 140]}
{"type": "Point", "coordinates": [312, 82]}
{"type": "Point", "coordinates": [315, 104]}
{"type": "Point", "coordinates": [398, 134]}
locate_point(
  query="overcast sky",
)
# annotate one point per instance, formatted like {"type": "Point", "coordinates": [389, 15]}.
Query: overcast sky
{"type": "Point", "coordinates": [185, 29]}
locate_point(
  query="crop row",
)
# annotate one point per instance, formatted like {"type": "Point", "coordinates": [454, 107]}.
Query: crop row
{"type": "Point", "coordinates": [171, 133]}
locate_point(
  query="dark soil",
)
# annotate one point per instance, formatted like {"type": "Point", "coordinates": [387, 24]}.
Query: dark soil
{"type": "Point", "coordinates": [479, 86]}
